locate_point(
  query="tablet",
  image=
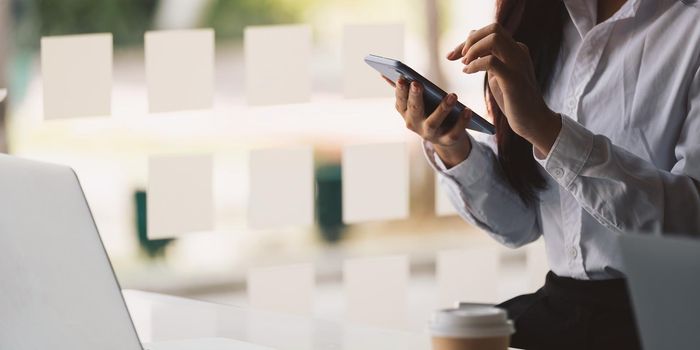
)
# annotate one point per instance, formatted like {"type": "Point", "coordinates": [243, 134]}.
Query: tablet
{"type": "Point", "coordinates": [432, 95]}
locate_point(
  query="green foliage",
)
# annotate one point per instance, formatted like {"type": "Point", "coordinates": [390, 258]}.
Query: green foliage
{"type": "Point", "coordinates": [152, 247]}
{"type": "Point", "coordinates": [229, 17]}
{"type": "Point", "coordinates": [126, 19]}
{"type": "Point", "coordinates": [129, 19]}
{"type": "Point", "coordinates": [329, 202]}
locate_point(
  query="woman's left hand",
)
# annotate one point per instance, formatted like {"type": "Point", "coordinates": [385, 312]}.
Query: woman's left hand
{"type": "Point", "coordinates": [512, 81]}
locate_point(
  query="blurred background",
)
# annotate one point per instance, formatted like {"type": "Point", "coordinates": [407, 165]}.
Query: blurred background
{"type": "Point", "coordinates": [110, 154]}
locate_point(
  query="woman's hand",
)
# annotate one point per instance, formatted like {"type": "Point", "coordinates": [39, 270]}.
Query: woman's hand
{"type": "Point", "coordinates": [453, 146]}
{"type": "Point", "coordinates": [512, 81]}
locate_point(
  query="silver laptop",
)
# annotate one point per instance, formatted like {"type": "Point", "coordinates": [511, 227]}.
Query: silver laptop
{"type": "Point", "coordinates": [664, 281]}
{"type": "Point", "coordinates": [57, 287]}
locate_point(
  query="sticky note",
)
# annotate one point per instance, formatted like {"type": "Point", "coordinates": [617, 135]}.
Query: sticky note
{"type": "Point", "coordinates": [281, 187]}
{"type": "Point", "coordinates": [375, 290]}
{"type": "Point", "coordinates": [443, 206]}
{"type": "Point", "coordinates": [288, 289]}
{"type": "Point", "coordinates": [468, 275]}
{"type": "Point", "coordinates": [180, 195]}
{"type": "Point", "coordinates": [375, 182]}
{"type": "Point", "coordinates": [179, 69]}
{"type": "Point", "coordinates": [76, 73]}
{"type": "Point", "coordinates": [3, 94]}
{"type": "Point", "coordinates": [277, 64]}
{"type": "Point", "coordinates": [537, 265]}
{"type": "Point", "coordinates": [359, 79]}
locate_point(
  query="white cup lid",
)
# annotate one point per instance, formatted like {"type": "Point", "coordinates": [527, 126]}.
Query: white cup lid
{"type": "Point", "coordinates": [471, 321]}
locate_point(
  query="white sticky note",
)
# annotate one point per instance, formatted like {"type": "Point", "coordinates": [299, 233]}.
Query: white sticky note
{"type": "Point", "coordinates": [288, 289]}
{"type": "Point", "coordinates": [179, 69]}
{"type": "Point", "coordinates": [180, 195]}
{"type": "Point", "coordinates": [386, 40]}
{"type": "Point", "coordinates": [537, 265]}
{"type": "Point", "coordinates": [443, 206]}
{"type": "Point", "coordinates": [281, 187]}
{"type": "Point", "coordinates": [76, 73]}
{"type": "Point", "coordinates": [277, 64]}
{"type": "Point", "coordinates": [375, 181]}
{"type": "Point", "coordinates": [375, 290]}
{"type": "Point", "coordinates": [468, 275]}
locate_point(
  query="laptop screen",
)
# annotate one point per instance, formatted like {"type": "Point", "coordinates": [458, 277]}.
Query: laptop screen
{"type": "Point", "coordinates": [58, 290]}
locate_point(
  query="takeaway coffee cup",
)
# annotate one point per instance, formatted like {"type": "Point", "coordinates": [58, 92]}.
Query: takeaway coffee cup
{"type": "Point", "coordinates": [471, 327]}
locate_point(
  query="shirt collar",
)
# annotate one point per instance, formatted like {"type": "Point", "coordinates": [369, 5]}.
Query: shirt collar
{"type": "Point", "coordinates": [584, 13]}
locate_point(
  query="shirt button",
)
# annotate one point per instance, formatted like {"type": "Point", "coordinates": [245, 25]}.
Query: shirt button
{"type": "Point", "coordinates": [573, 252]}
{"type": "Point", "coordinates": [572, 103]}
{"type": "Point", "coordinates": [558, 172]}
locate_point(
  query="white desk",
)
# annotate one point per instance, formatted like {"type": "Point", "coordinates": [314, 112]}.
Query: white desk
{"type": "Point", "coordinates": [159, 317]}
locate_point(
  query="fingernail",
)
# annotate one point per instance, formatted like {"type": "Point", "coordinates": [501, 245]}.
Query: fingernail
{"type": "Point", "coordinates": [451, 98]}
{"type": "Point", "coordinates": [414, 87]}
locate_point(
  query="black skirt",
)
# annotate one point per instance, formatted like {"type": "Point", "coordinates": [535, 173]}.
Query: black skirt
{"type": "Point", "coordinates": [574, 314]}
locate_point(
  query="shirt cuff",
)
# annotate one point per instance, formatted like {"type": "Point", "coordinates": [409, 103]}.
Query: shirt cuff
{"type": "Point", "coordinates": [570, 152]}
{"type": "Point", "coordinates": [469, 171]}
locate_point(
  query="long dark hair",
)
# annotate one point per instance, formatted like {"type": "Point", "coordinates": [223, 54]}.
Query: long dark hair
{"type": "Point", "coordinates": [539, 25]}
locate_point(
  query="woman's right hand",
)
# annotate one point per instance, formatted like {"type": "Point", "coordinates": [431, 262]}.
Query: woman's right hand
{"type": "Point", "coordinates": [453, 146]}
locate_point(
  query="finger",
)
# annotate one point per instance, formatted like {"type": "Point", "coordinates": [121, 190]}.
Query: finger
{"type": "Point", "coordinates": [433, 122]}
{"type": "Point", "coordinates": [458, 129]}
{"type": "Point", "coordinates": [524, 48]}
{"type": "Point", "coordinates": [389, 81]}
{"type": "Point", "coordinates": [499, 45]}
{"type": "Point", "coordinates": [415, 112]}
{"type": "Point", "coordinates": [479, 34]}
{"type": "Point", "coordinates": [456, 53]}
{"type": "Point", "coordinates": [401, 96]}
{"type": "Point", "coordinates": [489, 64]}
{"type": "Point", "coordinates": [402, 80]}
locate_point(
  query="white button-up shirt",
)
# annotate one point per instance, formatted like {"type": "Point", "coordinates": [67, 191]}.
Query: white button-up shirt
{"type": "Point", "coordinates": [627, 159]}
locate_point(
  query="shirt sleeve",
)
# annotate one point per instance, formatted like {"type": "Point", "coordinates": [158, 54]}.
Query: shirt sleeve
{"type": "Point", "coordinates": [627, 193]}
{"type": "Point", "coordinates": [481, 196]}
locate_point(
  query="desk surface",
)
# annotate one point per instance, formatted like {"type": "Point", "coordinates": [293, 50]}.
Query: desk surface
{"type": "Point", "coordinates": [160, 317]}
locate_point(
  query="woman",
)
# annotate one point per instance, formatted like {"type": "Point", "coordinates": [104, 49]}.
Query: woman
{"type": "Point", "coordinates": [597, 111]}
